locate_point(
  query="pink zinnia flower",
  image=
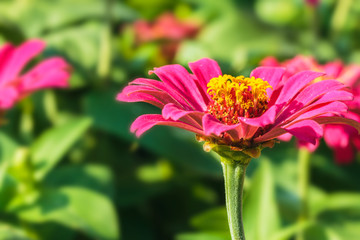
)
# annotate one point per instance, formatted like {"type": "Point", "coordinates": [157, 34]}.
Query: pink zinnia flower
{"type": "Point", "coordinates": [343, 139]}
{"type": "Point", "coordinates": [239, 113]}
{"type": "Point", "coordinates": [15, 85]}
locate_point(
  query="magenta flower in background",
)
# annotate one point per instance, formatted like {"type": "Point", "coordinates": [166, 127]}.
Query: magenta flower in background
{"type": "Point", "coordinates": [342, 139]}
{"type": "Point", "coordinates": [243, 113]}
{"type": "Point", "coordinates": [15, 84]}
{"type": "Point", "coordinates": [313, 3]}
{"type": "Point", "coordinates": [167, 30]}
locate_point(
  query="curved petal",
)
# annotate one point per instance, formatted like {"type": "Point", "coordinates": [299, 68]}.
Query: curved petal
{"type": "Point", "coordinates": [174, 112]}
{"type": "Point", "coordinates": [160, 86]}
{"type": "Point", "coordinates": [52, 72]}
{"type": "Point", "coordinates": [307, 131]}
{"type": "Point", "coordinates": [19, 57]}
{"type": "Point", "coordinates": [338, 120]}
{"type": "Point", "coordinates": [311, 93]}
{"type": "Point", "coordinates": [147, 121]}
{"type": "Point", "coordinates": [204, 70]}
{"type": "Point", "coordinates": [310, 147]}
{"type": "Point", "coordinates": [294, 84]}
{"type": "Point", "coordinates": [332, 107]}
{"type": "Point", "coordinates": [179, 80]}
{"type": "Point", "coordinates": [272, 75]}
{"type": "Point", "coordinates": [137, 93]}
{"type": "Point", "coordinates": [213, 126]}
{"type": "Point", "coordinates": [267, 118]}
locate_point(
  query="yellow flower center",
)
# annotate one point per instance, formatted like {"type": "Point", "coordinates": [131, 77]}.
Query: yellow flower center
{"type": "Point", "coordinates": [234, 97]}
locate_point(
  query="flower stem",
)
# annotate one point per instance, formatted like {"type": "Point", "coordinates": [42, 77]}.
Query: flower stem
{"type": "Point", "coordinates": [234, 175]}
{"type": "Point", "coordinates": [303, 168]}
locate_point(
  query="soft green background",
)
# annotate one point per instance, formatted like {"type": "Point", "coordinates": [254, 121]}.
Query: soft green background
{"type": "Point", "coordinates": [70, 168]}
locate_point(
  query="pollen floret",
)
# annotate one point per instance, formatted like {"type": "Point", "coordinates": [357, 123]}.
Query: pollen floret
{"type": "Point", "coordinates": [234, 97]}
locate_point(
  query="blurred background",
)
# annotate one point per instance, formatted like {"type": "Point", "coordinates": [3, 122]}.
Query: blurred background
{"type": "Point", "coordinates": [71, 169]}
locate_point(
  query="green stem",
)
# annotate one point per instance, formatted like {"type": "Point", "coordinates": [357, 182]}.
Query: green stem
{"type": "Point", "coordinates": [234, 175]}
{"type": "Point", "coordinates": [303, 188]}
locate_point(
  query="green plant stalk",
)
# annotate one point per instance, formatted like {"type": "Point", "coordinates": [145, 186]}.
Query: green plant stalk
{"type": "Point", "coordinates": [234, 175]}
{"type": "Point", "coordinates": [303, 187]}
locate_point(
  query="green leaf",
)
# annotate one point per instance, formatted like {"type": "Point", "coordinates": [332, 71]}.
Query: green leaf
{"type": "Point", "coordinates": [77, 208]}
{"type": "Point", "coordinates": [338, 201]}
{"type": "Point", "coordinates": [52, 145]}
{"type": "Point", "coordinates": [7, 148]}
{"type": "Point", "coordinates": [94, 177]}
{"type": "Point", "coordinates": [212, 220]}
{"type": "Point", "coordinates": [289, 231]}
{"type": "Point", "coordinates": [8, 231]}
{"type": "Point", "coordinates": [261, 217]}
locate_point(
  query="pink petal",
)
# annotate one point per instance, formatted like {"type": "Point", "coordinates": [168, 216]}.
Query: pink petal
{"type": "Point", "coordinates": [332, 107]}
{"type": "Point", "coordinates": [137, 93]}
{"type": "Point", "coordinates": [272, 75]}
{"type": "Point", "coordinates": [174, 112]}
{"type": "Point", "coordinates": [270, 62]}
{"type": "Point", "coordinates": [213, 126]}
{"type": "Point", "coordinates": [334, 69]}
{"type": "Point", "coordinates": [350, 75]}
{"type": "Point", "coordinates": [310, 147]}
{"type": "Point", "coordinates": [268, 117]}
{"type": "Point", "coordinates": [338, 120]}
{"type": "Point", "coordinates": [52, 72]}
{"type": "Point", "coordinates": [147, 121]}
{"type": "Point", "coordinates": [285, 137]}
{"type": "Point", "coordinates": [307, 130]}
{"type": "Point", "coordinates": [204, 70]}
{"type": "Point", "coordinates": [335, 136]}
{"type": "Point", "coordinates": [294, 84]}
{"type": "Point", "coordinates": [8, 96]}
{"type": "Point", "coordinates": [177, 78]}
{"type": "Point", "coordinates": [157, 85]}
{"type": "Point", "coordinates": [141, 96]}
{"type": "Point", "coordinates": [309, 94]}
{"type": "Point", "coordinates": [6, 52]}
{"type": "Point", "coordinates": [19, 57]}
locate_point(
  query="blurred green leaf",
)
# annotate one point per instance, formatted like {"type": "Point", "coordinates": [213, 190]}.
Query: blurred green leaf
{"type": "Point", "coordinates": [9, 232]}
{"type": "Point", "coordinates": [94, 177]}
{"type": "Point", "coordinates": [53, 144]}
{"type": "Point", "coordinates": [212, 220]}
{"type": "Point", "coordinates": [77, 208]}
{"type": "Point", "coordinates": [202, 236]}
{"type": "Point", "coordinates": [261, 217]}
{"type": "Point", "coordinates": [338, 201]}
{"type": "Point", "coordinates": [7, 147]}
{"type": "Point", "coordinates": [289, 231]}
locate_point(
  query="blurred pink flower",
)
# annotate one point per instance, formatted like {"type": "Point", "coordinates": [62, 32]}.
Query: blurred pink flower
{"type": "Point", "coordinates": [166, 29]}
{"type": "Point", "coordinates": [343, 139]}
{"type": "Point", "coordinates": [243, 113]}
{"type": "Point", "coordinates": [313, 3]}
{"type": "Point", "coordinates": [14, 84]}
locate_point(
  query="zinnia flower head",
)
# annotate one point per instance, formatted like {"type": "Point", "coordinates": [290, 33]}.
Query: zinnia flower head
{"type": "Point", "coordinates": [342, 138]}
{"type": "Point", "coordinates": [241, 114]}
{"type": "Point", "coordinates": [15, 85]}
